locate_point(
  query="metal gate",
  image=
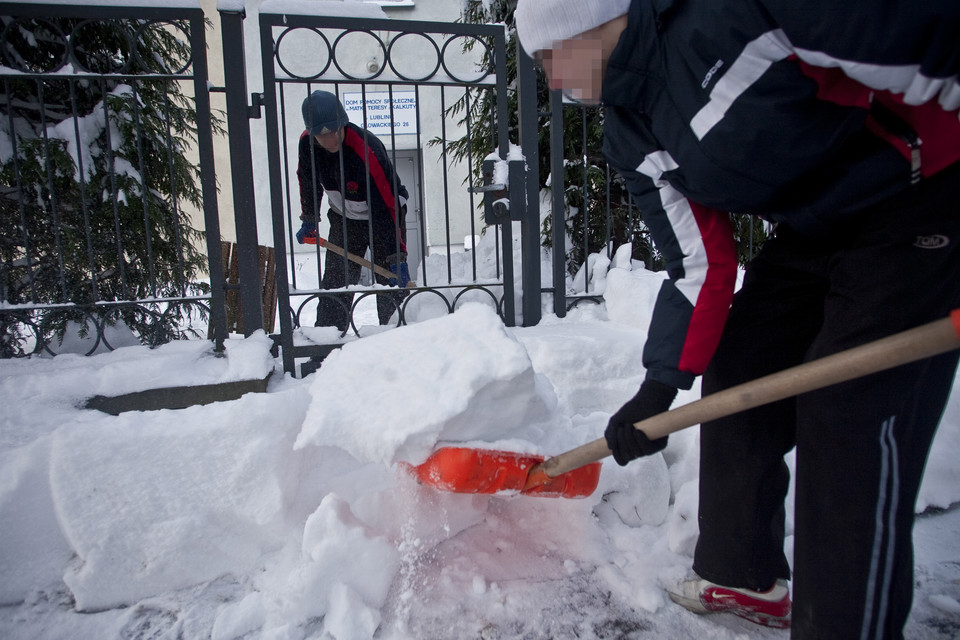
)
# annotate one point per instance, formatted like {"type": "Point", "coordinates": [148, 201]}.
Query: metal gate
{"type": "Point", "coordinates": [418, 86]}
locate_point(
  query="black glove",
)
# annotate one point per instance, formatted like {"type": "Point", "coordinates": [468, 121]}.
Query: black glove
{"type": "Point", "coordinates": [627, 442]}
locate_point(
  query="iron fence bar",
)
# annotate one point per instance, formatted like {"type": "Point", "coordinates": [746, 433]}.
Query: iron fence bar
{"type": "Point", "coordinates": [289, 20]}
{"type": "Point", "coordinates": [20, 204]}
{"type": "Point", "coordinates": [584, 201]}
{"type": "Point", "coordinates": [52, 199]}
{"type": "Point", "coordinates": [315, 209]}
{"type": "Point", "coordinates": [396, 182]}
{"type": "Point", "coordinates": [343, 194]}
{"type": "Point", "coordinates": [77, 76]}
{"type": "Point", "coordinates": [83, 194]}
{"type": "Point", "coordinates": [144, 188]}
{"type": "Point", "coordinates": [208, 179]}
{"type": "Point", "coordinates": [121, 263]}
{"type": "Point", "coordinates": [241, 171]}
{"type": "Point", "coordinates": [608, 231]}
{"type": "Point", "coordinates": [503, 106]}
{"type": "Point", "coordinates": [107, 11]}
{"type": "Point", "coordinates": [446, 173]}
{"type": "Point", "coordinates": [178, 229]}
{"type": "Point", "coordinates": [530, 225]}
{"type": "Point", "coordinates": [422, 227]}
{"type": "Point", "coordinates": [366, 165]}
{"type": "Point", "coordinates": [274, 164]}
{"type": "Point", "coordinates": [282, 106]}
{"type": "Point", "coordinates": [470, 194]}
{"type": "Point", "coordinates": [503, 135]}
{"type": "Point", "coordinates": [337, 80]}
{"type": "Point", "coordinates": [558, 207]}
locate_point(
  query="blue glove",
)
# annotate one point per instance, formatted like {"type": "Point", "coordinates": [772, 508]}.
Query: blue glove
{"type": "Point", "coordinates": [627, 442]}
{"type": "Point", "coordinates": [404, 277]}
{"type": "Point", "coordinates": [308, 232]}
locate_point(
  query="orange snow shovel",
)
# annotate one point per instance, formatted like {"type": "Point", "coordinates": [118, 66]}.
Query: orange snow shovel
{"type": "Point", "coordinates": [363, 262]}
{"type": "Point", "coordinates": [576, 473]}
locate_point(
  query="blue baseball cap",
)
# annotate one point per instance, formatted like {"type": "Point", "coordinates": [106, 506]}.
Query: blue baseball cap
{"type": "Point", "coordinates": [323, 113]}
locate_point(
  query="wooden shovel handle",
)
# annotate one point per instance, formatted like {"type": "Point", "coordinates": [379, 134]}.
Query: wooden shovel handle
{"type": "Point", "coordinates": [363, 262]}
{"type": "Point", "coordinates": [908, 346]}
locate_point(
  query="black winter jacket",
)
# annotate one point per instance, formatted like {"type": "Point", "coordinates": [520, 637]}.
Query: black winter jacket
{"type": "Point", "coordinates": [803, 114]}
{"type": "Point", "coordinates": [367, 183]}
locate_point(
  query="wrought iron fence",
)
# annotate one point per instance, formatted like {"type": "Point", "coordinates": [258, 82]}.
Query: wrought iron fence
{"type": "Point", "coordinates": [599, 215]}
{"type": "Point", "coordinates": [100, 109]}
{"type": "Point", "coordinates": [99, 246]}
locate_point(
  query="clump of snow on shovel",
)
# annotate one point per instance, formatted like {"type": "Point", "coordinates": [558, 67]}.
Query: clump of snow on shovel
{"type": "Point", "coordinates": [459, 379]}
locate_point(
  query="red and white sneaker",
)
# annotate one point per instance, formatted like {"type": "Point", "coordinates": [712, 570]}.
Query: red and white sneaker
{"type": "Point", "coordinates": [769, 608]}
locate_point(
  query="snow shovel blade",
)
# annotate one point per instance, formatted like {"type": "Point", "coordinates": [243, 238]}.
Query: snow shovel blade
{"type": "Point", "coordinates": [465, 470]}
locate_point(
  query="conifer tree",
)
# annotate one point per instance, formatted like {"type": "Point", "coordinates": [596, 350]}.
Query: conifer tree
{"type": "Point", "coordinates": [94, 179]}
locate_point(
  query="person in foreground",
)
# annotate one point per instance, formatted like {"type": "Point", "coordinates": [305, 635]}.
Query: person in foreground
{"type": "Point", "coordinates": [838, 123]}
{"type": "Point", "coordinates": [366, 201]}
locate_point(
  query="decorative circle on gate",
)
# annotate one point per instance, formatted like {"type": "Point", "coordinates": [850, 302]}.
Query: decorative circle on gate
{"type": "Point", "coordinates": [60, 327]}
{"type": "Point", "coordinates": [20, 334]}
{"type": "Point", "coordinates": [112, 52]}
{"type": "Point", "coordinates": [414, 57]}
{"type": "Point", "coordinates": [171, 37]}
{"type": "Point", "coordinates": [303, 53]}
{"type": "Point", "coordinates": [467, 295]}
{"type": "Point", "coordinates": [359, 49]}
{"type": "Point", "coordinates": [33, 45]}
{"type": "Point", "coordinates": [462, 62]}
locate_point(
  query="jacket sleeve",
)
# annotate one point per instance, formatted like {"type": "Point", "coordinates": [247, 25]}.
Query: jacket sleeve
{"type": "Point", "coordinates": [693, 303]}
{"type": "Point", "coordinates": [908, 48]}
{"type": "Point", "coordinates": [311, 191]}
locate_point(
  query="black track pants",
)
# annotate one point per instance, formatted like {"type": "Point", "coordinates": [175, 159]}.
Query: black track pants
{"type": "Point", "coordinates": [861, 446]}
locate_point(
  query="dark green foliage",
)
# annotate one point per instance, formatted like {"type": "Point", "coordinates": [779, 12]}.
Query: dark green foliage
{"type": "Point", "coordinates": [594, 188]}
{"type": "Point", "coordinates": [92, 213]}
{"type": "Point", "coordinates": [585, 170]}
{"type": "Point", "coordinates": [750, 232]}
{"type": "Point", "coordinates": [586, 174]}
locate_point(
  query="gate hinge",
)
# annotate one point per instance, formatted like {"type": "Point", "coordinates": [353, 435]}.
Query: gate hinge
{"type": "Point", "coordinates": [256, 101]}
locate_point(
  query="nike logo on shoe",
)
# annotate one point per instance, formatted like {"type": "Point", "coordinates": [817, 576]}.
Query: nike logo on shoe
{"type": "Point", "coordinates": [769, 608]}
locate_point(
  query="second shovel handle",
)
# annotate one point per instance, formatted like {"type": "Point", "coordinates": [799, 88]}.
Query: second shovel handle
{"type": "Point", "coordinates": [363, 262]}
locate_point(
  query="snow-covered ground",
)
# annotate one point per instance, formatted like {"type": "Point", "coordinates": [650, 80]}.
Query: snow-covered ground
{"type": "Point", "coordinates": [284, 515]}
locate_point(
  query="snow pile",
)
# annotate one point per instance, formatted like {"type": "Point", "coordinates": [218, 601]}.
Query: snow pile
{"type": "Point", "coordinates": [173, 500]}
{"type": "Point", "coordinates": [482, 387]}
{"type": "Point", "coordinates": [286, 515]}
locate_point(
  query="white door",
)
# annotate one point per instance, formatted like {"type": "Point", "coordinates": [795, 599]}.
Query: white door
{"type": "Point", "coordinates": [407, 163]}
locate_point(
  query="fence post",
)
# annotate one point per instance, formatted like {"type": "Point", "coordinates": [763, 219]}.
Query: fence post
{"type": "Point", "coordinates": [241, 169]}
{"type": "Point", "coordinates": [208, 180]}
{"type": "Point", "coordinates": [530, 224]}
{"type": "Point", "coordinates": [558, 206]}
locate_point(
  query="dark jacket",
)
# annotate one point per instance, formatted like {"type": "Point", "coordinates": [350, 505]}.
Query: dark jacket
{"type": "Point", "coordinates": [367, 182]}
{"type": "Point", "coordinates": [803, 114]}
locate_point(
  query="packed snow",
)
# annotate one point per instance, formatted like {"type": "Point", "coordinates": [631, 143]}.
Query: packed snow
{"type": "Point", "coordinates": [290, 514]}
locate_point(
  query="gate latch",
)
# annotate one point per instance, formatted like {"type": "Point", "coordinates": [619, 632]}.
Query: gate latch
{"type": "Point", "coordinates": [498, 195]}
